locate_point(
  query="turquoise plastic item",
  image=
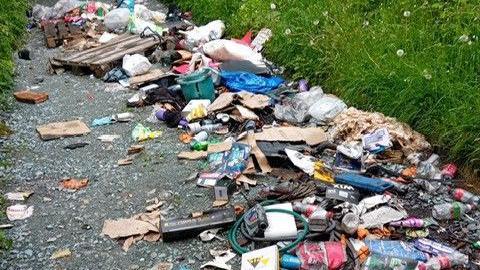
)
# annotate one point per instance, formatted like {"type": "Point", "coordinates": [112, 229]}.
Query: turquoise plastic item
{"type": "Point", "coordinates": [197, 85]}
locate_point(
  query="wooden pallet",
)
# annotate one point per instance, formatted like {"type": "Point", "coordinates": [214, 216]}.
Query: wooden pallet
{"type": "Point", "coordinates": [101, 59]}
{"type": "Point", "coordinates": [57, 32]}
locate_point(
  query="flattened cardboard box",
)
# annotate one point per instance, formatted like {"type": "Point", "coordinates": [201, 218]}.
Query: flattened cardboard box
{"type": "Point", "coordinates": [62, 129]}
{"type": "Point", "coordinates": [312, 136]}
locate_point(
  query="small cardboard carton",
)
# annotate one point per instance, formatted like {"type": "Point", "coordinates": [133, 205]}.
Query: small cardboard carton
{"type": "Point", "coordinates": [261, 259]}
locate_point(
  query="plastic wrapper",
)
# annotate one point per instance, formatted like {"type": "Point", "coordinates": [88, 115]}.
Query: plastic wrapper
{"type": "Point", "coordinates": [323, 255]}
{"type": "Point", "coordinates": [145, 14]}
{"type": "Point", "coordinates": [117, 19]}
{"type": "Point", "coordinates": [135, 64]}
{"type": "Point", "coordinates": [203, 34]}
{"type": "Point", "coordinates": [305, 163]}
{"type": "Point", "coordinates": [295, 110]}
{"type": "Point", "coordinates": [326, 109]}
{"type": "Point", "coordinates": [377, 262]}
{"type": "Point", "coordinates": [142, 133]}
{"type": "Point", "coordinates": [395, 249]}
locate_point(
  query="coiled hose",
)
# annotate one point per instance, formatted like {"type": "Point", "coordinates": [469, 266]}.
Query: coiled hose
{"type": "Point", "coordinates": [232, 234]}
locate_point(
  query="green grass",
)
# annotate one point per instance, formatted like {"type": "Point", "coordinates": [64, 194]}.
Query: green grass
{"type": "Point", "coordinates": [353, 49]}
{"type": "Point", "coordinates": [12, 29]}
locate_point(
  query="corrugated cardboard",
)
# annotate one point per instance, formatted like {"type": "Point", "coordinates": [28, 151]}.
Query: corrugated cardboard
{"type": "Point", "coordinates": [310, 135]}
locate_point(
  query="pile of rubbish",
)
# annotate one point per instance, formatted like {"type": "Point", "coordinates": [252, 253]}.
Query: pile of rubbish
{"type": "Point", "coordinates": [352, 189]}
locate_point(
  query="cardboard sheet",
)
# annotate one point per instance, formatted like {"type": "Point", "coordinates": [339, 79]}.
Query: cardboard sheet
{"type": "Point", "coordinates": [126, 227]}
{"type": "Point", "coordinates": [310, 135]}
{"type": "Point", "coordinates": [152, 75]}
{"type": "Point", "coordinates": [62, 129]}
{"type": "Point", "coordinates": [253, 101]}
{"type": "Point", "coordinates": [244, 113]}
{"type": "Point", "coordinates": [259, 155]}
{"type": "Point", "coordinates": [222, 101]}
{"type": "Point", "coordinates": [193, 155]}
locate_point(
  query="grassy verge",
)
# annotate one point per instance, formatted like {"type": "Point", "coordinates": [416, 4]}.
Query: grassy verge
{"type": "Point", "coordinates": [12, 29]}
{"type": "Point", "coordinates": [417, 61]}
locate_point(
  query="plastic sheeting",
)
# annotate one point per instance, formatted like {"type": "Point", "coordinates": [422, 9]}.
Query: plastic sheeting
{"type": "Point", "coordinates": [238, 81]}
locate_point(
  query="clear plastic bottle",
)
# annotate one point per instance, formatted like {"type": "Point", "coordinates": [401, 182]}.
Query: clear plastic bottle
{"type": "Point", "coordinates": [447, 211]}
{"type": "Point", "coordinates": [444, 262]}
{"type": "Point", "coordinates": [462, 195]}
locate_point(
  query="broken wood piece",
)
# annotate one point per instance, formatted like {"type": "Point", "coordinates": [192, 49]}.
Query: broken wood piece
{"type": "Point", "coordinates": [62, 129]}
{"type": "Point", "coordinates": [72, 183]}
{"type": "Point", "coordinates": [28, 96]}
{"type": "Point", "coordinates": [135, 149]}
{"type": "Point", "coordinates": [125, 161]}
{"type": "Point", "coordinates": [152, 75]}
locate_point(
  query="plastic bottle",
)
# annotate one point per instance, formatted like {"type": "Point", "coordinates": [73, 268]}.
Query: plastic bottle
{"type": "Point", "coordinates": [130, 4]}
{"type": "Point", "coordinates": [448, 211]}
{"type": "Point", "coordinates": [199, 146]}
{"type": "Point", "coordinates": [201, 136]}
{"type": "Point", "coordinates": [290, 262]}
{"type": "Point", "coordinates": [462, 195]}
{"type": "Point", "coordinates": [449, 171]}
{"type": "Point", "coordinates": [435, 263]}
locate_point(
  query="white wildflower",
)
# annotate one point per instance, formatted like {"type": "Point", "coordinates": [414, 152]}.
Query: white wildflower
{"type": "Point", "coordinates": [400, 52]}
{"type": "Point", "coordinates": [464, 38]}
{"type": "Point", "coordinates": [273, 6]}
{"type": "Point", "coordinates": [316, 22]}
{"type": "Point", "coordinates": [427, 74]}
{"type": "Point", "coordinates": [288, 31]}
{"type": "Point", "coordinates": [406, 13]}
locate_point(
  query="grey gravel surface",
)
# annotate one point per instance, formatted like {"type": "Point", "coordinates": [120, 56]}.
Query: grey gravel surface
{"type": "Point", "coordinates": [63, 219]}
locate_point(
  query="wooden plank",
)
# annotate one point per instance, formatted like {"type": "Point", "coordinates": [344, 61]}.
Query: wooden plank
{"type": "Point", "coordinates": [113, 42]}
{"type": "Point", "coordinates": [50, 30]}
{"type": "Point", "coordinates": [136, 49]}
{"type": "Point", "coordinates": [62, 30]}
{"type": "Point", "coordinates": [110, 51]}
{"type": "Point", "coordinates": [152, 75]}
{"type": "Point", "coordinates": [75, 29]}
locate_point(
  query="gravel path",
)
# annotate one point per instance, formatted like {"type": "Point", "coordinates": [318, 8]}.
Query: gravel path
{"type": "Point", "coordinates": [63, 219]}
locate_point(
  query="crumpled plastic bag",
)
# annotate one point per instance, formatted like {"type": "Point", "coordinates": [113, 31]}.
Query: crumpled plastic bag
{"type": "Point", "coordinates": [325, 109]}
{"type": "Point", "coordinates": [295, 110]}
{"type": "Point", "coordinates": [142, 133]}
{"type": "Point", "coordinates": [227, 50]}
{"type": "Point", "coordinates": [136, 64]}
{"type": "Point", "coordinates": [40, 12]}
{"type": "Point", "coordinates": [203, 34]}
{"type": "Point", "coordinates": [117, 19]}
{"type": "Point", "coordinates": [142, 12]}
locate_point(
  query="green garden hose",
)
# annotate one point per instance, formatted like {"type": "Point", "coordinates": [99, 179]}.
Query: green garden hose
{"type": "Point", "coordinates": [232, 234]}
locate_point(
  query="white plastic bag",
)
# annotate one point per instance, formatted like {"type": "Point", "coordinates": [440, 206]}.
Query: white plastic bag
{"type": "Point", "coordinates": [136, 64]}
{"type": "Point", "coordinates": [142, 12]}
{"type": "Point", "coordinates": [203, 34]}
{"type": "Point", "coordinates": [225, 50]}
{"type": "Point", "coordinates": [296, 110]}
{"type": "Point", "coordinates": [40, 12]}
{"type": "Point", "coordinates": [117, 19]}
{"type": "Point", "coordinates": [325, 109]}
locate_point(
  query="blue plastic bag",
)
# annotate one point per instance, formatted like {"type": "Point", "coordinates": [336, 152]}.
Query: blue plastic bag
{"type": "Point", "coordinates": [238, 81]}
{"type": "Point", "coordinates": [396, 249]}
